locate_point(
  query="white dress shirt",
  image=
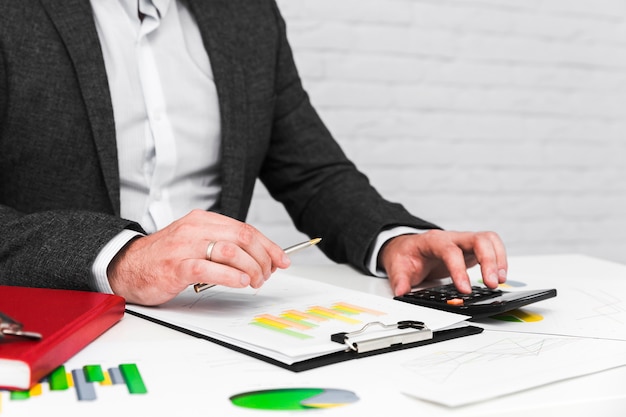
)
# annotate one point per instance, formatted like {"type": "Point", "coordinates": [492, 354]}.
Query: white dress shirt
{"type": "Point", "coordinates": [165, 107]}
{"type": "Point", "coordinates": [166, 113]}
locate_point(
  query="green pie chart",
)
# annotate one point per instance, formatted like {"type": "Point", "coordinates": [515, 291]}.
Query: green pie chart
{"type": "Point", "coordinates": [294, 399]}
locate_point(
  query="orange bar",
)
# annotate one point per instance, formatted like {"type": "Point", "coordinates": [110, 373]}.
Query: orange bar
{"type": "Point", "coordinates": [304, 316]}
{"type": "Point", "coordinates": [360, 309]}
{"type": "Point", "coordinates": [287, 323]}
{"type": "Point", "coordinates": [270, 322]}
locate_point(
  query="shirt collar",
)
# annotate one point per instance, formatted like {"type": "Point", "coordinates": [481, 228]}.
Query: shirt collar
{"type": "Point", "coordinates": [153, 8]}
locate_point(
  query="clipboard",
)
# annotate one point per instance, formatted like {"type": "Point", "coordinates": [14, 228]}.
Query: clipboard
{"type": "Point", "coordinates": [403, 335]}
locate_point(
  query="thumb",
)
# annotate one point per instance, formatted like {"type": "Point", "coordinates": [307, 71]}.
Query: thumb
{"type": "Point", "coordinates": [399, 281]}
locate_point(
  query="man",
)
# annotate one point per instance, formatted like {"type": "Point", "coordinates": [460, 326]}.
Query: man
{"type": "Point", "coordinates": [132, 134]}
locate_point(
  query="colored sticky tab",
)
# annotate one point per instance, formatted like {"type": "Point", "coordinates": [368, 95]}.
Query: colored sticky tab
{"type": "Point", "coordinates": [36, 390]}
{"type": "Point", "coordinates": [93, 373]}
{"type": "Point", "coordinates": [107, 379]}
{"type": "Point", "coordinates": [20, 395]}
{"type": "Point", "coordinates": [57, 380]}
{"type": "Point", "coordinates": [85, 390]}
{"type": "Point", "coordinates": [116, 376]}
{"type": "Point", "coordinates": [133, 379]}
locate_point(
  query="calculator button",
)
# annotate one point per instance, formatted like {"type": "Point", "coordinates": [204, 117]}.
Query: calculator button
{"type": "Point", "coordinates": [448, 294]}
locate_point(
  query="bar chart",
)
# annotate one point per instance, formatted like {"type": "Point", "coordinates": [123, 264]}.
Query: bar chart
{"type": "Point", "coordinates": [296, 323]}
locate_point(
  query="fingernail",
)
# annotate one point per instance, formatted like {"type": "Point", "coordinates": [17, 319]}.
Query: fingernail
{"type": "Point", "coordinates": [286, 260]}
{"type": "Point", "coordinates": [245, 280]}
{"type": "Point", "coordinates": [502, 273]}
{"type": "Point", "coordinates": [493, 278]}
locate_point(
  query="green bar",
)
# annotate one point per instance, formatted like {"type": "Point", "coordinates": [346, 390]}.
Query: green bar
{"type": "Point", "coordinates": [133, 379]}
{"type": "Point", "coordinates": [57, 380]}
{"type": "Point", "coordinates": [93, 373]}
{"type": "Point", "coordinates": [20, 395]}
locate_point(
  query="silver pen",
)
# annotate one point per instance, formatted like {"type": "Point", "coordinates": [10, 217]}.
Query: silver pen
{"type": "Point", "coordinates": [291, 249]}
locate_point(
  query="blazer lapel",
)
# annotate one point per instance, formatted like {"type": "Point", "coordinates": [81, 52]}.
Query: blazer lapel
{"type": "Point", "coordinates": [219, 34]}
{"type": "Point", "coordinates": [74, 21]}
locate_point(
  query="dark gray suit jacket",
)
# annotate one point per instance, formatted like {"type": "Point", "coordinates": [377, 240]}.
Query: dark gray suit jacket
{"type": "Point", "coordinates": [59, 180]}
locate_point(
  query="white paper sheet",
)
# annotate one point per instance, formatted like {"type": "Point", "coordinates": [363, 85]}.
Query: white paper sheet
{"type": "Point", "coordinates": [231, 315]}
{"type": "Point", "coordinates": [493, 364]}
{"type": "Point", "coordinates": [596, 311]}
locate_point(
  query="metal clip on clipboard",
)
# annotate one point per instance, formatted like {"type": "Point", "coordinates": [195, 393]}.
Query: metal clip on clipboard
{"type": "Point", "coordinates": [401, 333]}
{"type": "Point", "coordinates": [10, 327]}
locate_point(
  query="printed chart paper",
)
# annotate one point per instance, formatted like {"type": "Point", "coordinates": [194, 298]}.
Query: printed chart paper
{"type": "Point", "coordinates": [474, 369]}
{"type": "Point", "coordinates": [596, 311]}
{"type": "Point", "coordinates": [289, 319]}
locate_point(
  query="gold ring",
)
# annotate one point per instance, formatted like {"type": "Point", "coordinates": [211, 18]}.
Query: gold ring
{"type": "Point", "coordinates": [209, 249]}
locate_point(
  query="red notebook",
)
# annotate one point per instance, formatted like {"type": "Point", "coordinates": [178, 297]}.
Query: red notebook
{"type": "Point", "coordinates": [67, 320]}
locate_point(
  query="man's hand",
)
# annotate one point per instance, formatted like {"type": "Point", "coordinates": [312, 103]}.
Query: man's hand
{"type": "Point", "coordinates": [410, 259]}
{"type": "Point", "coordinates": [153, 269]}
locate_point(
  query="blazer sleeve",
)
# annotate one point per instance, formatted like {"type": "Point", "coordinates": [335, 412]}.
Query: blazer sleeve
{"type": "Point", "coordinates": [322, 190]}
{"type": "Point", "coordinates": [46, 238]}
{"type": "Point", "coordinates": [54, 249]}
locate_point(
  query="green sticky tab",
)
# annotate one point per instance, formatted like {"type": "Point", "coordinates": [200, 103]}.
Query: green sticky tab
{"type": "Point", "coordinates": [93, 373]}
{"type": "Point", "coordinates": [57, 380]}
{"type": "Point", "coordinates": [133, 379]}
{"type": "Point", "coordinates": [20, 395]}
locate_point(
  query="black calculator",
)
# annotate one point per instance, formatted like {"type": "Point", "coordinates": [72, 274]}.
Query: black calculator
{"type": "Point", "coordinates": [481, 302]}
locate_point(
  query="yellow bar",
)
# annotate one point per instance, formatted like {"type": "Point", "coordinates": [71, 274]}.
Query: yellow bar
{"type": "Point", "coordinates": [304, 316]}
{"type": "Point", "coordinates": [345, 309]}
{"type": "Point", "coordinates": [360, 309]}
{"type": "Point", "coordinates": [332, 314]}
{"type": "Point", "coordinates": [269, 322]}
{"type": "Point", "coordinates": [300, 321]}
{"type": "Point", "coordinates": [287, 323]}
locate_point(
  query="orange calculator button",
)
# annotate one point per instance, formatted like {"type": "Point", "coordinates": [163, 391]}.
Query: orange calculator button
{"type": "Point", "coordinates": [455, 302]}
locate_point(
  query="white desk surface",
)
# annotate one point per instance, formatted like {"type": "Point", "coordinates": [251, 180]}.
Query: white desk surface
{"type": "Point", "coordinates": [600, 394]}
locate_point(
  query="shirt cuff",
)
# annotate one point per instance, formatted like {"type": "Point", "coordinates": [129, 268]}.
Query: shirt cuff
{"type": "Point", "coordinates": [382, 238]}
{"type": "Point", "coordinates": [108, 252]}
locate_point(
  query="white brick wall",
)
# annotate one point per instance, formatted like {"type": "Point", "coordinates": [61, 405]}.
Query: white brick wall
{"type": "Point", "coordinates": [504, 115]}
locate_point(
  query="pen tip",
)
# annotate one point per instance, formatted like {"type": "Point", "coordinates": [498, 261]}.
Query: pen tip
{"type": "Point", "coordinates": [315, 241]}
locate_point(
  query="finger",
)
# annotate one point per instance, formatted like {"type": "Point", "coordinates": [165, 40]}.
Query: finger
{"type": "Point", "coordinates": [229, 254]}
{"type": "Point", "coordinates": [266, 253]}
{"type": "Point", "coordinates": [403, 267]}
{"type": "Point", "coordinates": [491, 255]}
{"type": "Point", "coordinates": [501, 258]}
{"type": "Point", "coordinates": [399, 281]}
{"type": "Point", "coordinates": [197, 270]}
{"type": "Point", "coordinates": [486, 256]}
{"type": "Point", "coordinates": [454, 260]}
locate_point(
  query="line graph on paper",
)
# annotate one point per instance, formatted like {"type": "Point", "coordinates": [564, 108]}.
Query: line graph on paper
{"type": "Point", "coordinates": [588, 312]}
{"type": "Point", "coordinates": [492, 364]}
{"type": "Point", "coordinates": [595, 311]}
{"type": "Point", "coordinates": [602, 307]}
{"type": "Point", "coordinates": [442, 366]}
